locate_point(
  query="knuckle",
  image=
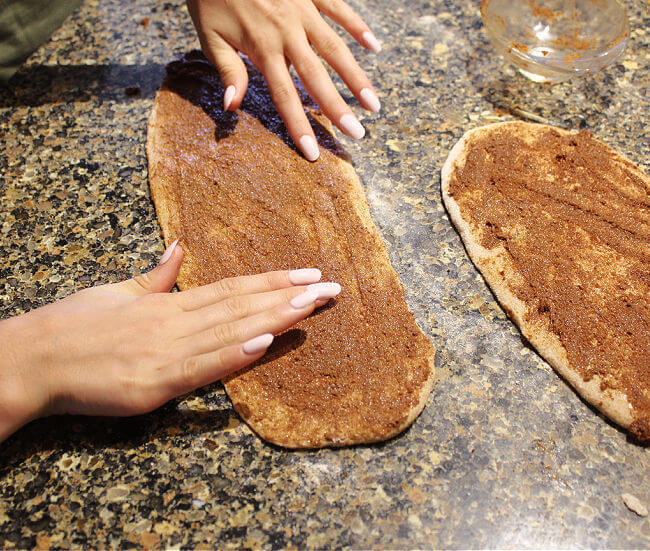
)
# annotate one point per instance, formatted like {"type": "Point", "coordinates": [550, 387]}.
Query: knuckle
{"type": "Point", "coordinates": [266, 9]}
{"type": "Point", "coordinates": [228, 286]}
{"type": "Point", "coordinates": [130, 385]}
{"type": "Point", "coordinates": [291, 292]}
{"type": "Point", "coordinates": [329, 46]}
{"type": "Point", "coordinates": [228, 71]}
{"type": "Point", "coordinates": [131, 390]}
{"type": "Point", "coordinates": [137, 396]}
{"type": "Point", "coordinates": [282, 94]}
{"type": "Point", "coordinates": [310, 68]}
{"type": "Point", "coordinates": [143, 280]}
{"type": "Point", "coordinates": [277, 12]}
{"type": "Point", "coordinates": [331, 6]}
{"type": "Point", "coordinates": [271, 279]}
{"type": "Point", "coordinates": [224, 334]}
{"type": "Point", "coordinates": [258, 44]}
{"type": "Point", "coordinates": [190, 372]}
{"type": "Point", "coordinates": [236, 307]}
{"type": "Point", "coordinates": [276, 316]}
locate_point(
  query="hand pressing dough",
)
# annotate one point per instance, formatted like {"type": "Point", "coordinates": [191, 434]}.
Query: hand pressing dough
{"type": "Point", "coordinates": [242, 200]}
{"type": "Point", "coordinates": [558, 223]}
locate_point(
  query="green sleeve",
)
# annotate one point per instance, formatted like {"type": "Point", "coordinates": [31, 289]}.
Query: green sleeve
{"type": "Point", "coordinates": [24, 26]}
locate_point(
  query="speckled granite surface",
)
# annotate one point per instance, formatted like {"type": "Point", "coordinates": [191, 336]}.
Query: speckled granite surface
{"type": "Point", "coordinates": [504, 455]}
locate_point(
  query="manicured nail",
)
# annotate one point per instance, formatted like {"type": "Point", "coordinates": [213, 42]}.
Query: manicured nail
{"type": "Point", "coordinates": [305, 299]}
{"type": "Point", "coordinates": [352, 127]}
{"type": "Point", "coordinates": [370, 100]}
{"type": "Point", "coordinates": [227, 97]}
{"type": "Point", "coordinates": [168, 253]}
{"type": "Point", "coordinates": [257, 344]}
{"type": "Point", "coordinates": [309, 148]}
{"type": "Point", "coordinates": [325, 290]}
{"type": "Point", "coordinates": [371, 42]}
{"type": "Point", "coordinates": [304, 276]}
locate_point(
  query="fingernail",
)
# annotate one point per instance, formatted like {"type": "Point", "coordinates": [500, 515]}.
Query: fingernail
{"type": "Point", "coordinates": [227, 97]}
{"type": "Point", "coordinates": [325, 289]}
{"type": "Point", "coordinates": [370, 100]}
{"type": "Point", "coordinates": [352, 127]}
{"type": "Point", "coordinates": [372, 42]}
{"type": "Point", "coordinates": [304, 276]}
{"type": "Point", "coordinates": [168, 253]}
{"type": "Point", "coordinates": [257, 344]}
{"type": "Point", "coordinates": [305, 299]}
{"type": "Point", "coordinates": [309, 147]}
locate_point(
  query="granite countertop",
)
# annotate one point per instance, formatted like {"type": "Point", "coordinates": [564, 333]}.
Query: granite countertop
{"type": "Point", "coordinates": [505, 453]}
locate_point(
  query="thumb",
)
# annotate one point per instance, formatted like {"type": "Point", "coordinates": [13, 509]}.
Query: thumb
{"type": "Point", "coordinates": [159, 280]}
{"type": "Point", "coordinates": [232, 70]}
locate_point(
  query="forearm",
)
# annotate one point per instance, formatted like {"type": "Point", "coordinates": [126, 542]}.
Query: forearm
{"type": "Point", "coordinates": [17, 404]}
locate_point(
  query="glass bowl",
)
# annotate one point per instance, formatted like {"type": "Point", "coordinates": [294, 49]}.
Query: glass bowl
{"type": "Point", "coordinates": [553, 40]}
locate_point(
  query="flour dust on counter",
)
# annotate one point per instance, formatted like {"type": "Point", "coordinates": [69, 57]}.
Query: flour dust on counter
{"type": "Point", "coordinates": [242, 200]}
{"type": "Point", "coordinates": [558, 223]}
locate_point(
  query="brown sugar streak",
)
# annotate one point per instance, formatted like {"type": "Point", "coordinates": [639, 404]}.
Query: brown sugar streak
{"type": "Point", "coordinates": [575, 223]}
{"type": "Point", "coordinates": [247, 203]}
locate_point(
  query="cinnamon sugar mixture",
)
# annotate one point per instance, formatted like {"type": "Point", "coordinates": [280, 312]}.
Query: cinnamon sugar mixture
{"type": "Point", "coordinates": [247, 202]}
{"type": "Point", "coordinates": [575, 222]}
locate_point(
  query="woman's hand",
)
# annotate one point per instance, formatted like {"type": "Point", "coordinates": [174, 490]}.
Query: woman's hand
{"type": "Point", "coordinates": [274, 33]}
{"type": "Point", "coordinates": [129, 347]}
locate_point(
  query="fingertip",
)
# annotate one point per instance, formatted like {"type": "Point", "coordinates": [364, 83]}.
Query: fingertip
{"type": "Point", "coordinates": [228, 96]}
{"type": "Point", "coordinates": [257, 346]}
{"type": "Point", "coordinates": [307, 144]}
{"type": "Point", "coordinates": [370, 100]}
{"type": "Point", "coordinates": [345, 16]}
{"type": "Point", "coordinates": [351, 126]}
{"type": "Point", "coordinates": [159, 279]}
{"type": "Point", "coordinates": [304, 276]}
{"type": "Point", "coordinates": [326, 289]}
{"type": "Point", "coordinates": [304, 300]}
{"type": "Point", "coordinates": [232, 70]}
{"type": "Point", "coordinates": [179, 253]}
{"type": "Point", "coordinates": [169, 266]}
{"type": "Point", "coordinates": [234, 94]}
{"type": "Point", "coordinates": [235, 103]}
{"type": "Point", "coordinates": [240, 85]}
{"type": "Point", "coordinates": [173, 250]}
{"type": "Point", "coordinates": [370, 42]}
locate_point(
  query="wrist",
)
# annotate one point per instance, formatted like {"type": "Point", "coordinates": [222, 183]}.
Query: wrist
{"type": "Point", "coordinates": [20, 398]}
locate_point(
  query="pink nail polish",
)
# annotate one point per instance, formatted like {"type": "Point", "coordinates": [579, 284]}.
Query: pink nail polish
{"type": "Point", "coordinates": [228, 97]}
{"type": "Point", "coordinates": [352, 127]}
{"type": "Point", "coordinates": [370, 100]}
{"type": "Point", "coordinates": [168, 253]}
{"type": "Point", "coordinates": [257, 344]}
{"type": "Point", "coordinates": [325, 290]}
{"type": "Point", "coordinates": [304, 276]}
{"type": "Point", "coordinates": [309, 148]}
{"type": "Point", "coordinates": [371, 42]}
{"type": "Point", "coordinates": [303, 300]}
